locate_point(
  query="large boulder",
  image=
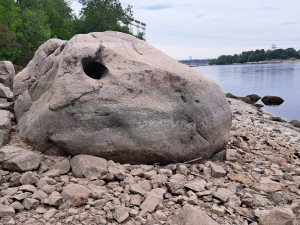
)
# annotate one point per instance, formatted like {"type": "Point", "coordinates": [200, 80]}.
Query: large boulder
{"type": "Point", "coordinates": [114, 96]}
{"type": "Point", "coordinates": [7, 73]}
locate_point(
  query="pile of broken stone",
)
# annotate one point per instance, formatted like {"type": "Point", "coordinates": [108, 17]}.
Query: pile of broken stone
{"type": "Point", "coordinates": [254, 181]}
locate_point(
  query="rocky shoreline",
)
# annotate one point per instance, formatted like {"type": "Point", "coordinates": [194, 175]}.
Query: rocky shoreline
{"type": "Point", "coordinates": [254, 181]}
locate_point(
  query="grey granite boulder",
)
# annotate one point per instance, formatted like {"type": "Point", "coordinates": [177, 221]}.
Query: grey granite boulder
{"type": "Point", "coordinates": [114, 96]}
{"type": "Point", "coordinates": [19, 159]}
{"type": "Point", "coordinates": [7, 73]}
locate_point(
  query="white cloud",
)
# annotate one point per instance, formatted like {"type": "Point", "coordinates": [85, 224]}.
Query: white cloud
{"type": "Point", "coordinates": [222, 26]}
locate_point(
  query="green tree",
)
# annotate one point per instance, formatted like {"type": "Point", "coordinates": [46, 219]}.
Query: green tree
{"type": "Point", "coordinates": [140, 35]}
{"type": "Point", "coordinates": [102, 15]}
{"type": "Point", "coordinates": [33, 32]}
{"type": "Point", "coordinates": [9, 15]}
{"type": "Point", "coordinates": [10, 49]}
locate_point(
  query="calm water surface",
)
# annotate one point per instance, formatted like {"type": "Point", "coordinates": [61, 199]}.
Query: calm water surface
{"type": "Point", "coordinates": [281, 80]}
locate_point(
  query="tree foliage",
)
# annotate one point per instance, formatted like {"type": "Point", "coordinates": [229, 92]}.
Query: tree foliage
{"type": "Point", "coordinates": [256, 56]}
{"type": "Point", "coordinates": [26, 24]}
{"type": "Point", "coordinates": [101, 15]}
{"type": "Point", "coordinates": [9, 47]}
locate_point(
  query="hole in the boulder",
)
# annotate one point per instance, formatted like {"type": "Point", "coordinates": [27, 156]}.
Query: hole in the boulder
{"type": "Point", "coordinates": [94, 69]}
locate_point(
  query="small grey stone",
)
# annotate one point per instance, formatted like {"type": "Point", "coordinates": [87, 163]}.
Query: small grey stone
{"type": "Point", "coordinates": [6, 211]}
{"type": "Point", "coordinates": [87, 165]}
{"type": "Point", "coordinates": [222, 194]}
{"type": "Point", "coordinates": [9, 191]}
{"type": "Point", "coordinates": [52, 173]}
{"type": "Point", "coordinates": [258, 170]}
{"type": "Point", "coordinates": [30, 203]}
{"type": "Point", "coordinates": [54, 199]}
{"type": "Point", "coordinates": [121, 214]}
{"type": "Point", "coordinates": [20, 197]}
{"type": "Point", "coordinates": [17, 206]}
{"type": "Point", "coordinates": [4, 137]}
{"type": "Point", "coordinates": [165, 172]}
{"type": "Point", "coordinates": [196, 185]}
{"type": "Point", "coordinates": [48, 189]}
{"type": "Point", "coordinates": [40, 210]}
{"type": "Point", "coordinates": [19, 159]}
{"type": "Point", "coordinates": [181, 169]}
{"type": "Point", "coordinates": [28, 178]}
{"type": "Point", "coordinates": [49, 214]}
{"type": "Point", "coordinates": [76, 194]}
{"type": "Point", "coordinates": [135, 200]}
{"type": "Point", "coordinates": [217, 171]}
{"type": "Point", "coordinates": [231, 154]}
{"type": "Point", "coordinates": [63, 165]}
{"type": "Point", "coordinates": [28, 187]}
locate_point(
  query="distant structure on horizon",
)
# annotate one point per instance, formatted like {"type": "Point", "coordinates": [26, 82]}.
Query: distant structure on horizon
{"type": "Point", "coordinates": [138, 24]}
{"type": "Point", "coordinates": [195, 62]}
{"type": "Point", "coordinates": [273, 47]}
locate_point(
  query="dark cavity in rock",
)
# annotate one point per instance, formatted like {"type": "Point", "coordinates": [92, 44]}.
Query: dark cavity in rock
{"type": "Point", "coordinates": [94, 69]}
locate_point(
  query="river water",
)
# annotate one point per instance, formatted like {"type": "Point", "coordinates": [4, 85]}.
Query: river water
{"type": "Point", "coordinates": [281, 80]}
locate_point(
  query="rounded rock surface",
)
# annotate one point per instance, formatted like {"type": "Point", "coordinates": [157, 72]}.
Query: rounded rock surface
{"type": "Point", "coordinates": [114, 96]}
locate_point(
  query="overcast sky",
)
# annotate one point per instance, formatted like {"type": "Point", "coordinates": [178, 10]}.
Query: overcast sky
{"type": "Point", "coordinates": [207, 29]}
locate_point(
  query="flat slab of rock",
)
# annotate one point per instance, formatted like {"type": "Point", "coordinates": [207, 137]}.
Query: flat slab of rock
{"type": "Point", "coordinates": [86, 165]}
{"type": "Point", "coordinates": [196, 185]}
{"type": "Point", "coordinates": [268, 185]}
{"type": "Point", "coordinates": [76, 194]}
{"type": "Point", "coordinates": [193, 216]}
{"type": "Point", "coordinates": [19, 159]}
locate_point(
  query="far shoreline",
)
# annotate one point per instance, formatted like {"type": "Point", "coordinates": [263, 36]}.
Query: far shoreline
{"type": "Point", "coordinates": [273, 61]}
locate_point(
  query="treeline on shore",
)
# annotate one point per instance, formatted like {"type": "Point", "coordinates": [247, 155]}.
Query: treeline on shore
{"type": "Point", "coordinates": [256, 56]}
{"type": "Point", "coordinates": [26, 24]}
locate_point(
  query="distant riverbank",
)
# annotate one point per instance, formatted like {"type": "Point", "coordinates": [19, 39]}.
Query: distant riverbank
{"type": "Point", "coordinates": [273, 61]}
